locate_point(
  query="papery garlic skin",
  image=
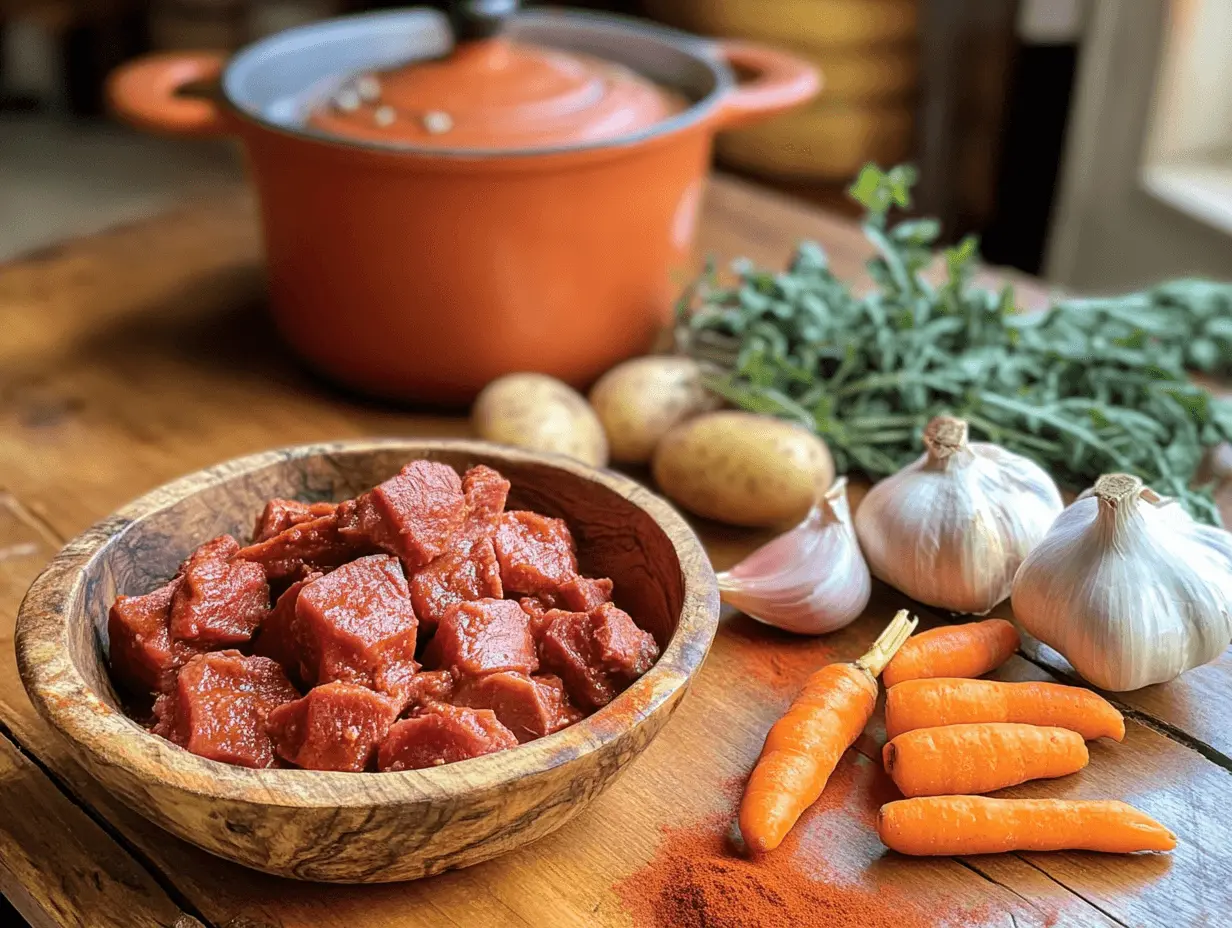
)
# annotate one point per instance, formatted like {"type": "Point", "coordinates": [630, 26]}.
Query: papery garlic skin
{"type": "Point", "coordinates": [951, 528]}
{"type": "Point", "coordinates": [809, 580]}
{"type": "Point", "coordinates": [1128, 587]}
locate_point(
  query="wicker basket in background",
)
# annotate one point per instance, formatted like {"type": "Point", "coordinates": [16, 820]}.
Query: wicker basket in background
{"type": "Point", "coordinates": [867, 51]}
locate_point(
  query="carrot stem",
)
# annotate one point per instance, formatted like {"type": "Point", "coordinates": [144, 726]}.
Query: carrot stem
{"type": "Point", "coordinates": [888, 643]}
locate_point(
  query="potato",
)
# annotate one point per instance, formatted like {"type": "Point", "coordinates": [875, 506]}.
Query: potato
{"type": "Point", "coordinates": [540, 413]}
{"type": "Point", "coordinates": [640, 400]}
{"type": "Point", "coordinates": [742, 468]}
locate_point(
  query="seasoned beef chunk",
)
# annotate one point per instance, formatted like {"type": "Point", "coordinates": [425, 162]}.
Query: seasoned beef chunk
{"type": "Point", "coordinates": [356, 624]}
{"type": "Point", "coordinates": [535, 553]}
{"type": "Point", "coordinates": [539, 610]}
{"type": "Point", "coordinates": [277, 637]}
{"type": "Point", "coordinates": [486, 636]}
{"type": "Point", "coordinates": [623, 649]}
{"type": "Point", "coordinates": [144, 657]}
{"type": "Point", "coordinates": [530, 707]}
{"type": "Point", "coordinates": [222, 548]}
{"type": "Point", "coordinates": [581, 594]}
{"type": "Point", "coordinates": [597, 654]}
{"type": "Point", "coordinates": [463, 574]}
{"type": "Point", "coordinates": [219, 706]}
{"type": "Point", "coordinates": [412, 515]}
{"type": "Point", "coordinates": [443, 735]}
{"type": "Point", "coordinates": [467, 569]}
{"type": "Point", "coordinates": [220, 601]}
{"type": "Point", "coordinates": [485, 491]}
{"type": "Point", "coordinates": [428, 687]}
{"type": "Point", "coordinates": [280, 514]}
{"type": "Point", "coordinates": [337, 726]}
{"type": "Point", "coordinates": [306, 546]}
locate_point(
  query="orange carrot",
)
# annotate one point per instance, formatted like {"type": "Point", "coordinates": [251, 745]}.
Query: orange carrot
{"type": "Point", "coordinates": [954, 651]}
{"type": "Point", "coordinates": [960, 825]}
{"type": "Point", "coordinates": [980, 758]}
{"type": "Point", "coordinates": [804, 746]}
{"type": "Point", "coordinates": [952, 701]}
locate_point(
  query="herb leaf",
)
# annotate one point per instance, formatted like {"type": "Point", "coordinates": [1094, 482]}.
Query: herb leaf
{"type": "Point", "coordinates": [1087, 387]}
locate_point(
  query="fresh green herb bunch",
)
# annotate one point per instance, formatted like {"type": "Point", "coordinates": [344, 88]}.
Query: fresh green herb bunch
{"type": "Point", "coordinates": [1088, 387]}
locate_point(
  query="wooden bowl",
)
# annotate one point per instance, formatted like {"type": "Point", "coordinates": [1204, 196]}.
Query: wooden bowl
{"type": "Point", "coordinates": [363, 827]}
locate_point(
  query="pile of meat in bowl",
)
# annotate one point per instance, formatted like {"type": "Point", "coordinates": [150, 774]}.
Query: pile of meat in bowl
{"type": "Point", "coordinates": [416, 625]}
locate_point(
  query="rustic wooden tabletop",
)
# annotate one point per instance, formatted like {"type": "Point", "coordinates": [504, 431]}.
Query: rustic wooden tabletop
{"type": "Point", "coordinates": [130, 358]}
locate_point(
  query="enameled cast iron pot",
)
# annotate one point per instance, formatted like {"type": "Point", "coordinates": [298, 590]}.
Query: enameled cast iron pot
{"type": "Point", "coordinates": [416, 270]}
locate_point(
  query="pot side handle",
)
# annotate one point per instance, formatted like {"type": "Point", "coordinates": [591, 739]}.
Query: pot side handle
{"type": "Point", "coordinates": [146, 93]}
{"type": "Point", "coordinates": [778, 82]}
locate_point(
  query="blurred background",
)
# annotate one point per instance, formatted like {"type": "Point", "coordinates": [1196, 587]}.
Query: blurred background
{"type": "Point", "coordinates": [1089, 141]}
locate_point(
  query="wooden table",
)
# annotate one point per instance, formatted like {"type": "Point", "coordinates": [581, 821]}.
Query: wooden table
{"type": "Point", "coordinates": [132, 357]}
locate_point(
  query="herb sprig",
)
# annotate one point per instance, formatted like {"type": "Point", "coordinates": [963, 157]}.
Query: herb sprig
{"type": "Point", "coordinates": [1087, 387]}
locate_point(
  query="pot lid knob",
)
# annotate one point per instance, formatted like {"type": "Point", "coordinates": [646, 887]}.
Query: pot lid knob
{"type": "Point", "coordinates": [480, 19]}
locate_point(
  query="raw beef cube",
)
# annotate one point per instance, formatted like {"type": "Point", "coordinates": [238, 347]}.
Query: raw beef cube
{"type": "Point", "coordinates": [219, 706]}
{"type": "Point", "coordinates": [412, 515]}
{"type": "Point", "coordinates": [485, 491]}
{"type": "Point", "coordinates": [486, 636]}
{"type": "Point", "coordinates": [280, 514]}
{"type": "Point", "coordinates": [219, 601]}
{"type": "Point", "coordinates": [144, 658]}
{"type": "Point", "coordinates": [535, 553]}
{"type": "Point", "coordinates": [443, 735]}
{"type": "Point", "coordinates": [356, 624]}
{"type": "Point", "coordinates": [567, 649]}
{"type": "Point", "coordinates": [277, 638]}
{"type": "Point", "coordinates": [223, 548]}
{"type": "Point", "coordinates": [539, 609]}
{"type": "Point", "coordinates": [597, 654]}
{"type": "Point", "coordinates": [530, 707]}
{"type": "Point", "coordinates": [622, 648]}
{"type": "Point", "coordinates": [337, 726]}
{"type": "Point", "coordinates": [313, 545]}
{"type": "Point", "coordinates": [581, 594]}
{"type": "Point", "coordinates": [429, 687]}
{"type": "Point", "coordinates": [465, 573]}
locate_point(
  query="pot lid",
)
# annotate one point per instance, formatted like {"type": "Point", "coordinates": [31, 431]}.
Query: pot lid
{"type": "Point", "coordinates": [494, 93]}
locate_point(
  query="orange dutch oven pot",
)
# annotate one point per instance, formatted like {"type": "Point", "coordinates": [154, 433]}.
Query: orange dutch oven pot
{"type": "Point", "coordinates": [446, 199]}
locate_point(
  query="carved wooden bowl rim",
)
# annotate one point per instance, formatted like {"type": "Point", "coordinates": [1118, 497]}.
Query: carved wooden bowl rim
{"type": "Point", "coordinates": [63, 696]}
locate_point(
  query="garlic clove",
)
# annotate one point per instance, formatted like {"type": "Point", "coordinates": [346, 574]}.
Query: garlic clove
{"type": "Point", "coordinates": [811, 579]}
{"type": "Point", "coordinates": [951, 528]}
{"type": "Point", "coordinates": [1128, 587]}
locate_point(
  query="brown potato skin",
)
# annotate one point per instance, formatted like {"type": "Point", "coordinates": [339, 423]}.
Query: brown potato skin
{"type": "Point", "coordinates": [540, 413]}
{"type": "Point", "coordinates": [742, 468]}
{"type": "Point", "coordinates": [641, 400]}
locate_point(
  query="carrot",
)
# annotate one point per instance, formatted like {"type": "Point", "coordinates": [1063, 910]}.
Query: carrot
{"type": "Point", "coordinates": [980, 758]}
{"type": "Point", "coordinates": [951, 701]}
{"type": "Point", "coordinates": [954, 651]}
{"type": "Point", "coordinates": [960, 825]}
{"type": "Point", "coordinates": [804, 746]}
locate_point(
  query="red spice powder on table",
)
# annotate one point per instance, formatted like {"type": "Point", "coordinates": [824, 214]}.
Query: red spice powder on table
{"type": "Point", "coordinates": [778, 660]}
{"type": "Point", "coordinates": [696, 880]}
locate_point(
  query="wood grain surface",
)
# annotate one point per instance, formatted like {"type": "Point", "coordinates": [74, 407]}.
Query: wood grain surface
{"type": "Point", "coordinates": [131, 358]}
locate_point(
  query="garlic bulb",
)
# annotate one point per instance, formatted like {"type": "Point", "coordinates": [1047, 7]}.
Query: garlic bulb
{"type": "Point", "coordinates": [951, 528]}
{"type": "Point", "coordinates": [1128, 587]}
{"type": "Point", "coordinates": [809, 580]}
